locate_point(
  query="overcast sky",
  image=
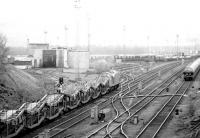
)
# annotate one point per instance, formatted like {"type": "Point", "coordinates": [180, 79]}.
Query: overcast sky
{"type": "Point", "coordinates": [161, 20]}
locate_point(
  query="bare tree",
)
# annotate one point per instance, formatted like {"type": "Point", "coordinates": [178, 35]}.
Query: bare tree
{"type": "Point", "coordinates": [3, 50]}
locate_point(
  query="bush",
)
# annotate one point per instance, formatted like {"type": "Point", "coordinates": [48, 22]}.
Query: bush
{"type": "Point", "coordinates": [3, 52]}
{"type": "Point", "coordinates": [102, 66]}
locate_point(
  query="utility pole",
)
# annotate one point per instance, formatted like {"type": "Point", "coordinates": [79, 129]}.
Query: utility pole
{"type": "Point", "coordinates": [45, 36]}
{"type": "Point", "coordinates": [124, 37]}
{"type": "Point", "coordinates": [66, 35]}
{"type": "Point", "coordinates": [89, 35]}
{"type": "Point", "coordinates": [177, 37]}
{"type": "Point", "coordinates": [148, 46]}
{"type": "Point", "coordinates": [194, 48]}
{"type": "Point", "coordinates": [195, 44]}
{"type": "Point", "coordinates": [77, 8]}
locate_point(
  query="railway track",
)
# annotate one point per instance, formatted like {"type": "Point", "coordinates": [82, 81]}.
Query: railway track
{"type": "Point", "coordinates": [153, 127]}
{"type": "Point", "coordinates": [115, 124]}
{"type": "Point", "coordinates": [70, 114]}
{"type": "Point", "coordinates": [73, 122]}
{"type": "Point", "coordinates": [195, 129]}
{"type": "Point", "coordinates": [55, 131]}
{"type": "Point", "coordinates": [53, 75]}
{"type": "Point", "coordinates": [78, 118]}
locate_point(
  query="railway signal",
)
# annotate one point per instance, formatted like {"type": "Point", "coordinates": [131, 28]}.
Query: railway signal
{"type": "Point", "coordinates": [101, 116]}
{"type": "Point", "coordinates": [61, 80]}
{"type": "Point", "coordinates": [177, 112]}
{"type": "Point", "coordinates": [59, 88]}
{"type": "Point", "coordinates": [167, 89]}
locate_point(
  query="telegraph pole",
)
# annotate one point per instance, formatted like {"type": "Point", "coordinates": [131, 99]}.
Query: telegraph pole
{"type": "Point", "coordinates": [124, 36]}
{"type": "Point", "coordinates": [148, 46]}
{"type": "Point", "coordinates": [77, 9]}
{"type": "Point", "coordinates": [45, 36]}
{"type": "Point", "coordinates": [66, 35]}
{"type": "Point", "coordinates": [177, 37]}
{"type": "Point", "coordinates": [89, 35]}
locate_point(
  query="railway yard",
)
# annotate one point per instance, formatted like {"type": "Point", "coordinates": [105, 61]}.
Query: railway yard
{"type": "Point", "coordinates": [147, 103]}
{"type": "Point", "coordinates": [99, 69]}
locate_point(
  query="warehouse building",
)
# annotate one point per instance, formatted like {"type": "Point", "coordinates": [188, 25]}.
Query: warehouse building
{"type": "Point", "coordinates": [50, 58]}
{"type": "Point", "coordinates": [61, 58]}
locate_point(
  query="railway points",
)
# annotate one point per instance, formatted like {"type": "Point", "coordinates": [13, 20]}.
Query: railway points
{"type": "Point", "coordinates": [121, 106]}
{"type": "Point", "coordinates": [108, 94]}
{"type": "Point", "coordinates": [129, 117]}
{"type": "Point", "coordinates": [99, 69]}
{"type": "Point", "coordinates": [103, 126]}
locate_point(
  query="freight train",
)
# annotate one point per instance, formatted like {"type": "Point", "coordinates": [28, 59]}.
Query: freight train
{"type": "Point", "coordinates": [191, 70]}
{"type": "Point", "coordinates": [31, 115]}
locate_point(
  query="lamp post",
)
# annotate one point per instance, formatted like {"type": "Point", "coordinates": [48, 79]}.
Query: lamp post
{"type": "Point", "coordinates": [177, 37]}
{"type": "Point", "coordinates": [77, 7]}
{"type": "Point", "coordinates": [148, 46]}
{"type": "Point", "coordinates": [89, 35]}
{"type": "Point", "coordinates": [45, 36]}
{"type": "Point", "coordinates": [124, 36]}
{"type": "Point", "coordinates": [66, 35]}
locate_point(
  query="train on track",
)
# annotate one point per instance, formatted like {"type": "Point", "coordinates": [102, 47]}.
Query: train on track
{"type": "Point", "coordinates": [31, 115]}
{"type": "Point", "coordinates": [191, 70]}
{"type": "Point", "coordinates": [151, 58]}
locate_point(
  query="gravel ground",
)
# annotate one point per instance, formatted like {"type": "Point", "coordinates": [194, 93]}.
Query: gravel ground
{"type": "Point", "coordinates": [173, 129]}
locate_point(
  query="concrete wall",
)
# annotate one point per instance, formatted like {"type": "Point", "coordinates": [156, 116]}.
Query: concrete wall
{"type": "Point", "coordinates": [65, 56]}
{"type": "Point", "coordinates": [37, 58]}
{"type": "Point", "coordinates": [61, 58]}
{"type": "Point", "coordinates": [78, 59]}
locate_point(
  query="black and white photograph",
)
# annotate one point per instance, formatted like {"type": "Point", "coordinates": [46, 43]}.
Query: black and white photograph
{"type": "Point", "coordinates": [99, 69]}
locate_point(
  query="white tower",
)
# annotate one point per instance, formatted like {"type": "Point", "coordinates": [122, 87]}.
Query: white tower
{"type": "Point", "coordinates": [77, 45]}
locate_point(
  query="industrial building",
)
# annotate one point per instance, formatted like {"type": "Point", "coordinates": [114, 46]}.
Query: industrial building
{"type": "Point", "coordinates": [50, 58]}
{"type": "Point", "coordinates": [62, 58]}
{"type": "Point", "coordinates": [78, 59]}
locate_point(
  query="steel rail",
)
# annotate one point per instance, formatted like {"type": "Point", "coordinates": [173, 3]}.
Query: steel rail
{"type": "Point", "coordinates": [121, 125]}
{"type": "Point", "coordinates": [124, 83]}
{"type": "Point", "coordinates": [112, 121]}
{"type": "Point", "coordinates": [183, 88]}
{"type": "Point", "coordinates": [77, 121]}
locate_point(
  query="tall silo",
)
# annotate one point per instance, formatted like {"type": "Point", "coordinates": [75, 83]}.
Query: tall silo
{"type": "Point", "coordinates": [78, 59]}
